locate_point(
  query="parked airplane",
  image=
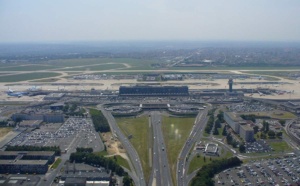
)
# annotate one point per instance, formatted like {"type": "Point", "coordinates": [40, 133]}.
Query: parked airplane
{"type": "Point", "coordinates": [11, 92]}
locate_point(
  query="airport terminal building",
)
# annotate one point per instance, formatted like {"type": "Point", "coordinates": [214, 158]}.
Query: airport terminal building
{"type": "Point", "coordinates": [154, 91]}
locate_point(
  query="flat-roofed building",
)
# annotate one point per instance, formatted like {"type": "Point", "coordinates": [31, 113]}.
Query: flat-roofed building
{"type": "Point", "coordinates": [154, 91]}
{"type": "Point", "coordinates": [232, 119]}
{"type": "Point", "coordinates": [28, 155]}
{"type": "Point", "coordinates": [23, 166]}
{"type": "Point", "coordinates": [31, 123]}
{"type": "Point", "coordinates": [247, 133]}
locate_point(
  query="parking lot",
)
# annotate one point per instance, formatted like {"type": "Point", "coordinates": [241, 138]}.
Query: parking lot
{"type": "Point", "coordinates": [279, 171]}
{"type": "Point", "coordinates": [258, 146]}
{"type": "Point", "coordinates": [77, 131]}
{"type": "Point", "coordinates": [249, 107]}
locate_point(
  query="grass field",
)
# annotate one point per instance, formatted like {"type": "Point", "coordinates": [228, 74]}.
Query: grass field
{"type": "Point", "coordinates": [280, 146]}
{"type": "Point", "coordinates": [27, 76]}
{"type": "Point", "coordinates": [139, 129]}
{"type": "Point", "coordinates": [275, 114]}
{"type": "Point", "coordinates": [175, 131]}
{"type": "Point", "coordinates": [121, 161]}
{"type": "Point", "coordinates": [96, 67]}
{"type": "Point", "coordinates": [198, 162]}
{"type": "Point", "coordinates": [56, 163]}
{"type": "Point", "coordinates": [28, 68]}
{"type": "Point", "coordinates": [46, 80]}
{"type": "Point", "coordinates": [4, 131]}
{"type": "Point", "coordinates": [136, 64]}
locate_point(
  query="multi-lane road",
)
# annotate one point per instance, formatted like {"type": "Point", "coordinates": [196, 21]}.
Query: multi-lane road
{"type": "Point", "coordinates": [138, 177]}
{"type": "Point", "coordinates": [160, 174]}
{"type": "Point", "coordinates": [195, 135]}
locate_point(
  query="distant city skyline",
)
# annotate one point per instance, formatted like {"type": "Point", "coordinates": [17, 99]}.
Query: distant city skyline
{"type": "Point", "coordinates": [133, 20]}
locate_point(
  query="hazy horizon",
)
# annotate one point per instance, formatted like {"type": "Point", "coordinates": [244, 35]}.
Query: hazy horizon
{"type": "Point", "coordinates": [155, 20]}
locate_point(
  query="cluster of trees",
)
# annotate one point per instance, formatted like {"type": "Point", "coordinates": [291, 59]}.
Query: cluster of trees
{"type": "Point", "coordinates": [211, 120]}
{"type": "Point", "coordinates": [56, 149]}
{"type": "Point", "coordinates": [206, 173]}
{"type": "Point", "coordinates": [82, 149]}
{"type": "Point", "coordinates": [221, 116]}
{"type": "Point", "coordinates": [3, 123]}
{"type": "Point", "coordinates": [100, 122]}
{"type": "Point", "coordinates": [210, 124]}
{"type": "Point", "coordinates": [249, 117]}
{"type": "Point", "coordinates": [266, 132]}
{"type": "Point", "coordinates": [217, 125]}
{"type": "Point", "coordinates": [127, 181]}
{"type": "Point", "coordinates": [73, 110]}
{"type": "Point", "coordinates": [95, 160]}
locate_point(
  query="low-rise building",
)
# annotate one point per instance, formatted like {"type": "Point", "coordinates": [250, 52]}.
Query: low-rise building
{"type": "Point", "coordinates": [31, 123]}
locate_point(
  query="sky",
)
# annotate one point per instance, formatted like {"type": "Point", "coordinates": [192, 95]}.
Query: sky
{"type": "Point", "coordinates": [149, 20]}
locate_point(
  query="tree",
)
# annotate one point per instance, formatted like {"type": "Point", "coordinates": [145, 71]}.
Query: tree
{"type": "Point", "coordinates": [218, 123]}
{"type": "Point", "coordinates": [282, 122]}
{"type": "Point", "coordinates": [224, 133]}
{"type": "Point", "coordinates": [229, 138]}
{"type": "Point", "coordinates": [279, 134]}
{"type": "Point", "coordinates": [204, 159]}
{"type": "Point", "coordinates": [127, 181]}
{"type": "Point", "coordinates": [255, 129]}
{"type": "Point", "coordinates": [271, 134]}
{"type": "Point", "coordinates": [242, 148]}
{"type": "Point", "coordinates": [216, 132]}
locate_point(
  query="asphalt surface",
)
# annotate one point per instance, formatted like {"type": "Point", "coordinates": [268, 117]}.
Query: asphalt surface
{"type": "Point", "coordinates": [195, 135]}
{"type": "Point", "coordinates": [138, 176]}
{"type": "Point", "coordinates": [160, 174]}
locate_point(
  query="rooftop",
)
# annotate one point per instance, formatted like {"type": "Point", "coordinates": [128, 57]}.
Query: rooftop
{"type": "Point", "coordinates": [24, 162]}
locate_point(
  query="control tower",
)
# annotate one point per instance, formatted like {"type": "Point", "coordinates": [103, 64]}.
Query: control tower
{"type": "Point", "coordinates": [230, 83]}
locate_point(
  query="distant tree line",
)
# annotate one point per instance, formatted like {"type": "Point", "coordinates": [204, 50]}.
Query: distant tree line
{"type": "Point", "coordinates": [100, 122]}
{"type": "Point", "coordinates": [56, 149]}
{"type": "Point", "coordinates": [204, 176]}
{"type": "Point", "coordinates": [95, 160]}
{"type": "Point", "coordinates": [249, 117]}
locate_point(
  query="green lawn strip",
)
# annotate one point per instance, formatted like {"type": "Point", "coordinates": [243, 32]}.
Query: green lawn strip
{"type": "Point", "coordinates": [56, 163]}
{"type": "Point", "coordinates": [175, 131]}
{"type": "Point", "coordinates": [27, 76]}
{"type": "Point", "coordinates": [139, 129]}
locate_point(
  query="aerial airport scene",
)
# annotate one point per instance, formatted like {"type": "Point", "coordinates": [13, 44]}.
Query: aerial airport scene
{"type": "Point", "coordinates": [160, 107]}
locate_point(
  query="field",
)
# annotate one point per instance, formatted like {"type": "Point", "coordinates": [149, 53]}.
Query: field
{"type": "Point", "coordinates": [4, 131]}
{"type": "Point", "coordinates": [274, 114]}
{"type": "Point", "coordinates": [139, 129]}
{"type": "Point", "coordinates": [280, 146]}
{"type": "Point", "coordinates": [27, 76]}
{"type": "Point", "coordinates": [27, 68]}
{"type": "Point", "coordinates": [121, 161]}
{"type": "Point", "coordinates": [176, 132]}
{"type": "Point", "coordinates": [95, 67]}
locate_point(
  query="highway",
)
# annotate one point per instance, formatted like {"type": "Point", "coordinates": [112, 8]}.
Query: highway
{"type": "Point", "coordinates": [160, 174]}
{"type": "Point", "coordinates": [138, 177]}
{"type": "Point", "coordinates": [195, 135]}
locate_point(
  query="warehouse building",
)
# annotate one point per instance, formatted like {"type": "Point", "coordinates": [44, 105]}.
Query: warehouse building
{"type": "Point", "coordinates": [154, 91]}
{"type": "Point", "coordinates": [23, 162]}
